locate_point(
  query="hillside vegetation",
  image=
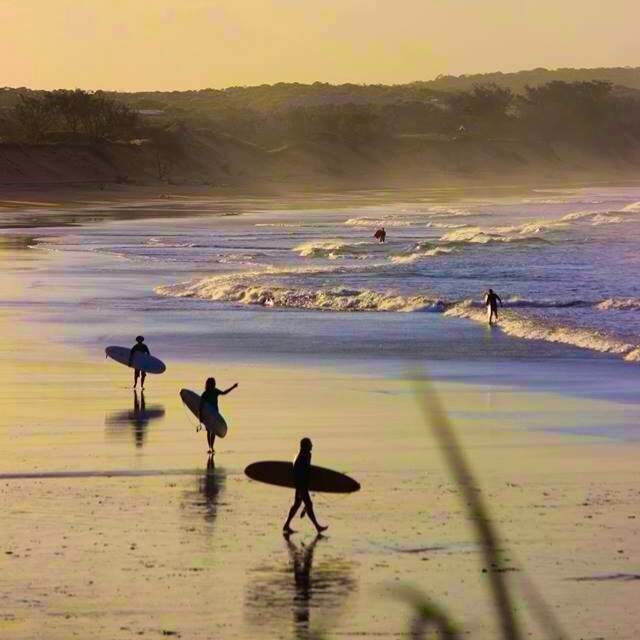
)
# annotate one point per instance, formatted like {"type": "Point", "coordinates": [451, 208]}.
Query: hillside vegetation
{"type": "Point", "coordinates": [538, 124]}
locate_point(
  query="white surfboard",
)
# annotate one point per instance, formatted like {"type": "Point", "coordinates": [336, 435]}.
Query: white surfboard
{"type": "Point", "coordinates": [211, 418]}
{"type": "Point", "coordinates": [142, 361]}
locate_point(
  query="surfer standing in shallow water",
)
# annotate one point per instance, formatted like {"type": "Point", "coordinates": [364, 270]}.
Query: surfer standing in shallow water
{"type": "Point", "coordinates": [491, 300]}
{"type": "Point", "coordinates": [380, 235]}
{"type": "Point", "coordinates": [138, 347]}
{"type": "Point", "coordinates": [210, 395]}
{"type": "Point", "coordinates": [301, 470]}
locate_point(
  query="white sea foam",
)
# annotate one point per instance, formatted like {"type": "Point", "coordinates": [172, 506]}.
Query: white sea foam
{"type": "Point", "coordinates": [627, 304]}
{"type": "Point", "coordinates": [445, 225]}
{"type": "Point", "coordinates": [167, 244]}
{"type": "Point", "coordinates": [478, 235]}
{"type": "Point", "coordinates": [243, 291]}
{"type": "Point", "coordinates": [415, 257]}
{"type": "Point", "coordinates": [333, 249]}
{"type": "Point", "coordinates": [364, 221]}
{"type": "Point", "coordinates": [522, 326]}
{"type": "Point", "coordinates": [284, 225]}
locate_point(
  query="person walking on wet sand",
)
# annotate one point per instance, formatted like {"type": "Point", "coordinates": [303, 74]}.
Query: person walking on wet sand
{"type": "Point", "coordinates": [301, 470]}
{"type": "Point", "coordinates": [491, 300]}
{"type": "Point", "coordinates": [210, 396]}
{"type": "Point", "coordinates": [138, 347]}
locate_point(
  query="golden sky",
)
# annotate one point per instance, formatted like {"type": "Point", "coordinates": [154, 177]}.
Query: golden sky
{"type": "Point", "coordinates": [194, 44]}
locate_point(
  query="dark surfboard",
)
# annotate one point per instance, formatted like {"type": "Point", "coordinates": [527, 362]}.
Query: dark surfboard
{"type": "Point", "coordinates": [280, 474]}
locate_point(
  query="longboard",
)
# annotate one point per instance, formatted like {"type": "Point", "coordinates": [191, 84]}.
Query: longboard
{"type": "Point", "coordinates": [142, 361]}
{"type": "Point", "coordinates": [280, 474]}
{"type": "Point", "coordinates": [211, 419]}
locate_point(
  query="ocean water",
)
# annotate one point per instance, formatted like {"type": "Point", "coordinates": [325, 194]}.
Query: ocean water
{"type": "Point", "coordinates": [305, 276]}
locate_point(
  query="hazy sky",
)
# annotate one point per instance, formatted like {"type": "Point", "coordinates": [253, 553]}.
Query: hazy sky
{"type": "Point", "coordinates": [193, 44]}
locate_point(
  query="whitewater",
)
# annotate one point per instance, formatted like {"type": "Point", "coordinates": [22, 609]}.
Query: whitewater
{"type": "Point", "coordinates": [565, 262]}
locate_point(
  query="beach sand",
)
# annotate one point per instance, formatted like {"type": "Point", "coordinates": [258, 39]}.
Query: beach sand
{"type": "Point", "coordinates": [113, 528]}
{"type": "Point", "coordinates": [118, 526]}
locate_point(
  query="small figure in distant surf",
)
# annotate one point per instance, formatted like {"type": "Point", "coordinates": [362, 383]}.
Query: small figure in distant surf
{"type": "Point", "coordinates": [380, 235]}
{"type": "Point", "coordinates": [210, 395]}
{"type": "Point", "coordinates": [138, 347]}
{"type": "Point", "coordinates": [301, 469]}
{"type": "Point", "coordinates": [491, 300]}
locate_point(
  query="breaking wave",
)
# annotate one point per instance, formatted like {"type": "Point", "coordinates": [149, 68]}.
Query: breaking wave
{"type": "Point", "coordinates": [416, 257]}
{"type": "Point", "coordinates": [526, 327]}
{"type": "Point", "coordinates": [477, 235]}
{"type": "Point", "coordinates": [628, 304]}
{"type": "Point", "coordinates": [223, 289]}
{"type": "Point", "coordinates": [333, 249]}
{"type": "Point", "coordinates": [364, 221]}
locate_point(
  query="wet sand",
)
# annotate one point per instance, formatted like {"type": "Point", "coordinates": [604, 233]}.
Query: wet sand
{"type": "Point", "coordinates": [115, 526]}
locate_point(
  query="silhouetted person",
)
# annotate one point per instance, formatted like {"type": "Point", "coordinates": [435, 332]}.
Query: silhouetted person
{"type": "Point", "coordinates": [210, 395]}
{"type": "Point", "coordinates": [491, 300]}
{"type": "Point", "coordinates": [380, 234]}
{"type": "Point", "coordinates": [301, 470]}
{"type": "Point", "coordinates": [138, 347]}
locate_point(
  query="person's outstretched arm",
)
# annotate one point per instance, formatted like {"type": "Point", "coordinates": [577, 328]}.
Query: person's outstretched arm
{"type": "Point", "coordinates": [231, 388]}
{"type": "Point", "coordinates": [200, 408]}
{"type": "Point", "coordinates": [500, 299]}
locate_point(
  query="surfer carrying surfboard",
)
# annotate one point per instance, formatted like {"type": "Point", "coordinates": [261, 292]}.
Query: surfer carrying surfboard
{"type": "Point", "coordinates": [491, 300]}
{"type": "Point", "coordinates": [380, 235]}
{"type": "Point", "coordinates": [139, 347]}
{"type": "Point", "coordinates": [301, 469]}
{"type": "Point", "coordinates": [210, 396]}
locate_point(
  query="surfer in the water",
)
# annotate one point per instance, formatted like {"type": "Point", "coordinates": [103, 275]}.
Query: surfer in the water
{"type": "Point", "coordinates": [210, 395]}
{"type": "Point", "coordinates": [380, 235]}
{"type": "Point", "coordinates": [301, 469]}
{"type": "Point", "coordinates": [139, 347]}
{"type": "Point", "coordinates": [491, 300]}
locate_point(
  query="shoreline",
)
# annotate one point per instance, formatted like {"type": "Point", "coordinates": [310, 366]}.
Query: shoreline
{"type": "Point", "coordinates": [59, 194]}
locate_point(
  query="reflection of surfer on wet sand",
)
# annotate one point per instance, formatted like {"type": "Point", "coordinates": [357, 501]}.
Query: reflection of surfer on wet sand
{"type": "Point", "coordinates": [137, 418]}
{"type": "Point", "coordinates": [302, 560]}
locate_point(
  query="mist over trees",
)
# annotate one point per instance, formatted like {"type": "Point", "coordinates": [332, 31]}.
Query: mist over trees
{"type": "Point", "coordinates": [591, 116]}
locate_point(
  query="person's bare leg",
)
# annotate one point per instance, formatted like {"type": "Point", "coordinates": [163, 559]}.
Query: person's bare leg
{"type": "Point", "coordinates": [136, 373]}
{"type": "Point", "coordinates": [142, 377]}
{"type": "Point", "coordinates": [308, 506]}
{"type": "Point", "coordinates": [292, 512]}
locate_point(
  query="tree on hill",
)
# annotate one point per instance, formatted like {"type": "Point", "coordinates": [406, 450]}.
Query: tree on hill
{"type": "Point", "coordinates": [75, 112]}
{"type": "Point", "coordinates": [486, 107]}
{"type": "Point", "coordinates": [576, 111]}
